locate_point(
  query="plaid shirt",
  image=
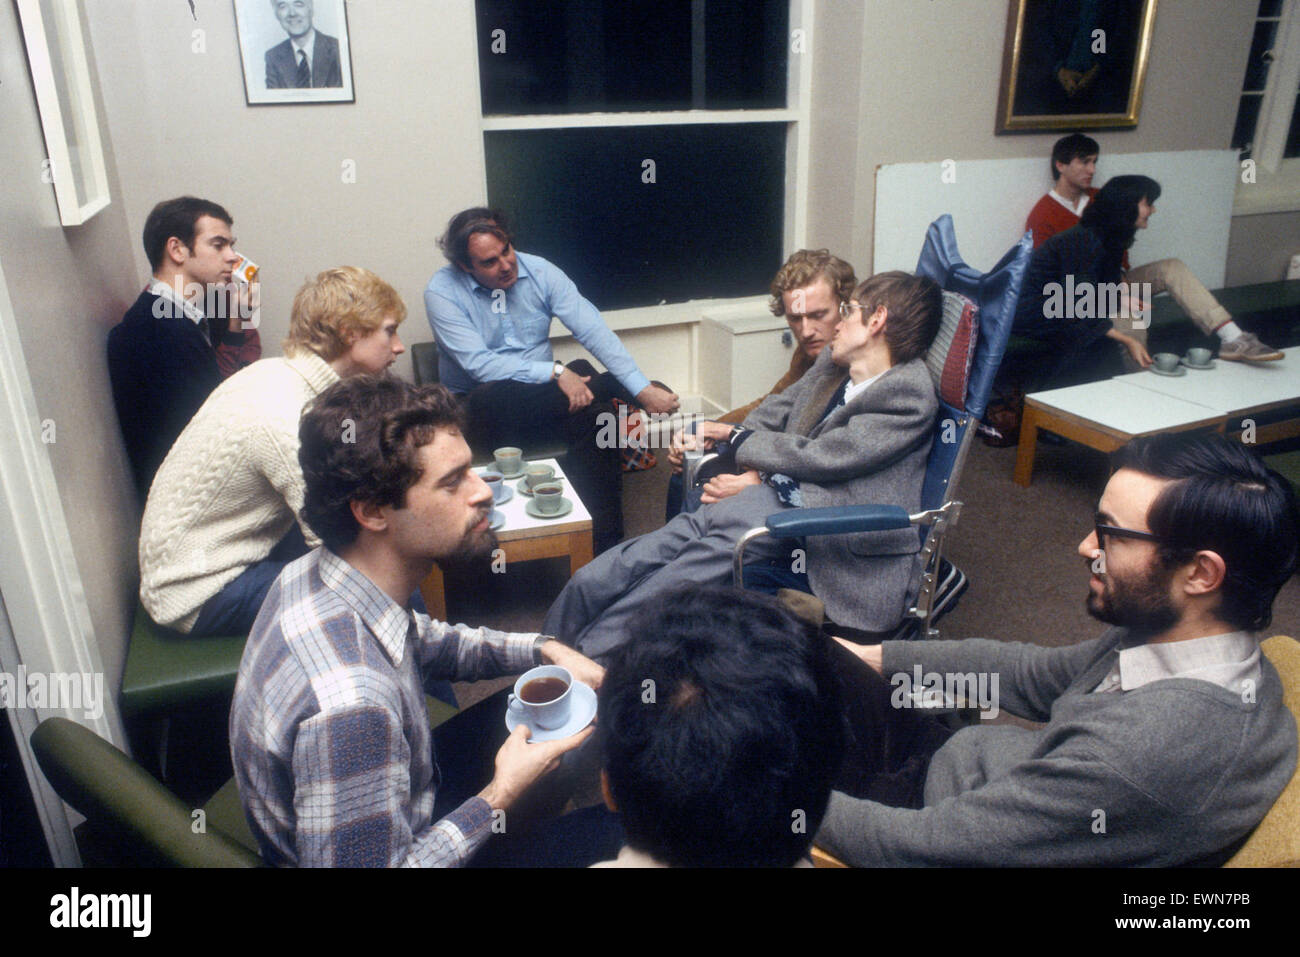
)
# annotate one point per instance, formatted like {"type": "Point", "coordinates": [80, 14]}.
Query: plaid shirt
{"type": "Point", "coordinates": [329, 733]}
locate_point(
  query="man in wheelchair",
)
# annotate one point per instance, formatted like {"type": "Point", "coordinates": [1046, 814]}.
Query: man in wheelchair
{"type": "Point", "coordinates": [856, 428]}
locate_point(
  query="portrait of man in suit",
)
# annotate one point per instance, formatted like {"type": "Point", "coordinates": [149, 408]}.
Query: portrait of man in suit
{"type": "Point", "coordinates": [308, 58]}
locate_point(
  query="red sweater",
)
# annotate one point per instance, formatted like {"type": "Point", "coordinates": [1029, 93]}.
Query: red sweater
{"type": "Point", "coordinates": [1049, 217]}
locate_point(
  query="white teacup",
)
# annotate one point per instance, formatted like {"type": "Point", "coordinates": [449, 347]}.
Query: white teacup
{"type": "Point", "coordinates": [537, 683]}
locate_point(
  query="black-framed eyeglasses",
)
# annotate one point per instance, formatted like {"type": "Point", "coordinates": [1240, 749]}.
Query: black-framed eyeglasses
{"type": "Point", "coordinates": [1116, 532]}
{"type": "Point", "coordinates": [847, 307]}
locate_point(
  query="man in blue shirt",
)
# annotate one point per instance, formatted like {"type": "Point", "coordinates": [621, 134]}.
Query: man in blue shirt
{"type": "Point", "coordinates": [490, 311]}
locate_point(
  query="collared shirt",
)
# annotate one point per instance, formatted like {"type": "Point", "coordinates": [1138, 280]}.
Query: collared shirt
{"type": "Point", "coordinates": [1076, 208]}
{"type": "Point", "coordinates": [491, 335]}
{"type": "Point", "coordinates": [1229, 660]}
{"type": "Point", "coordinates": [329, 733]}
{"type": "Point", "coordinates": [168, 292]}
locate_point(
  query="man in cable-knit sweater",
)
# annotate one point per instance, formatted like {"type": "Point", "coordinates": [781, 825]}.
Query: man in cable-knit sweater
{"type": "Point", "coordinates": [1165, 741]}
{"type": "Point", "coordinates": [222, 517]}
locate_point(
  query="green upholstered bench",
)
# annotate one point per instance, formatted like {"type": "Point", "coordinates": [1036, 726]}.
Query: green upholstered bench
{"type": "Point", "coordinates": [1287, 464]}
{"type": "Point", "coordinates": [165, 669]}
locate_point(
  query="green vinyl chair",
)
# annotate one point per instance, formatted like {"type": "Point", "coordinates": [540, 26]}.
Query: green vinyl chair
{"type": "Point", "coordinates": [123, 802]}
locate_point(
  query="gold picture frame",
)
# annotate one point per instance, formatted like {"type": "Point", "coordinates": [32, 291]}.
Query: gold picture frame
{"type": "Point", "coordinates": [1074, 64]}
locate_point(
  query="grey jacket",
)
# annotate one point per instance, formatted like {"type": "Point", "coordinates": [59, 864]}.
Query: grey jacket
{"type": "Point", "coordinates": [1174, 772]}
{"type": "Point", "coordinates": [871, 451]}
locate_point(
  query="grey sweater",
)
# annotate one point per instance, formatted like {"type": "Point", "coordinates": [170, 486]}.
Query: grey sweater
{"type": "Point", "coordinates": [1174, 772]}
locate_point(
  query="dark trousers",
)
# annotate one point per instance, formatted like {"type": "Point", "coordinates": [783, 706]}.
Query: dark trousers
{"type": "Point", "coordinates": [888, 749]}
{"type": "Point", "coordinates": [1079, 354]}
{"type": "Point", "coordinates": [534, 836]}
{"type": "Point", "coordinates": [232, 610]}
{"type": "Point", "coordinates": [524, 413]}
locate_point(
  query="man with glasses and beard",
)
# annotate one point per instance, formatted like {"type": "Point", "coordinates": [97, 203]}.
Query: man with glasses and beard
{"type": "Point", "coordinates": [1165, 741]}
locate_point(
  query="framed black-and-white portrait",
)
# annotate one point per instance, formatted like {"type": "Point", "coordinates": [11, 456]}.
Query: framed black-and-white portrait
{"type": "Point", "coordinates": [294, 51]}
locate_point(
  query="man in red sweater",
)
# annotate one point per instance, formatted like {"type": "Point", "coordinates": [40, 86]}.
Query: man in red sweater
{"type": "Point", "coordinates": [1074, 162]}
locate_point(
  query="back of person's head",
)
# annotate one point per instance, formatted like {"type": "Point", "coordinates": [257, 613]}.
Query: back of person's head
{"type": "Point", "coordinates": [915, 309]}
{"type": "Point", "coordinates": [721, 731]}
{"type": "Point", "coordinates": [1070, 148]}
{"type": "Point", "coordinates": [454, 243]}
{"type": "Point", "coordinates": [806, 266]}
{"type": "Point", "coordinates": [338, 307]}
{"type": "Point", "coordinates": [1113, 212]}
{"type": "Point", "coordinates": [359, 440]}
{"type": "Point", "coordinates": [177, 217]}
{"type": "Point", "coordinates": [1223, 499]}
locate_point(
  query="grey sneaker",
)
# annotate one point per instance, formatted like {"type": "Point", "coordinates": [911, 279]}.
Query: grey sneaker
{"type": "Point", "coordinates": [1247, 348]}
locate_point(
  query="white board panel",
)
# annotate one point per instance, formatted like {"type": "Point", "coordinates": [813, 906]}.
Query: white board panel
{"type": "Point", "coordinates": [990, 199]}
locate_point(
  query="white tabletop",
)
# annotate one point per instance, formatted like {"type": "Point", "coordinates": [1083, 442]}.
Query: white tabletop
{"type": "Point", "coordinates": [1125, 407]}
{"type": "Point", "coordinates": [1229, 386]}
{"type": "Point", "coordinates": [518, 520]}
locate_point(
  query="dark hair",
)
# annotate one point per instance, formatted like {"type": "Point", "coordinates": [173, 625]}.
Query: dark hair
{"type": "Point", "coordinates": [177, 217]}
{"type": "Point", "coordinates": [358, 441]}
{"type": "Point", "coordinates": [1070, 148]}
{"type": "Point", "coordinates": [1223, 499]}
{"type": "Point", "coordinates": [454, 243]}
{"type": "Point", "coordinates": [1113, 212]}
{"type": "Point", "coordinates": [806, 266]}
{"type": "Point", "coordinates": [718, 725]}
{"type": "Point", "coordinates": [915, 309]}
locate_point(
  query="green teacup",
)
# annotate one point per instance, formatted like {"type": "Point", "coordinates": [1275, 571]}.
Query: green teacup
{"type": "Point", "coordinates": [536, 474]}
{"type": "Point", "coordinates": [549, 497]}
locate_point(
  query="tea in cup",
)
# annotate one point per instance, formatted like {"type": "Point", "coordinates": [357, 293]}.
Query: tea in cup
{"type": "Point", "coordinates": [542, 696]}
{"type": "Point", "coordinates": [509, 460]}
{"type": "Point", "coordinates": [536, 474]}
{"type": "Point", "coordinates": [549, 497]}
{"type": "Point", "coordinates": [495, 481]}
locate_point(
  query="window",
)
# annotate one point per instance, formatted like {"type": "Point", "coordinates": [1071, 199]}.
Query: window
{"type": "Point", "coordinates": [652, 149]}
{"type": "Point", "coordinates": [1268, 117]}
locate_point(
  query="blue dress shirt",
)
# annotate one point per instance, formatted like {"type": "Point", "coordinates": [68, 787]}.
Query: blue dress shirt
{"type": "Point", "coordinates": [488, 335]}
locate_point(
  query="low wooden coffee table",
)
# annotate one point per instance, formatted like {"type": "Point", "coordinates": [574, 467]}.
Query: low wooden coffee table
{"type": "Point", "coordinates": [1105, 415]}
{"type": "Point", "coordinates": [524, 538]}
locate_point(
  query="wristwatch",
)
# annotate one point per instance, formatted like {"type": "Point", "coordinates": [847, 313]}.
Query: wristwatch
{"type": "Point", "coordinates": [557, 370]}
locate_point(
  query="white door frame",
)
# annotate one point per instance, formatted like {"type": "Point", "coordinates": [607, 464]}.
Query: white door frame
{"type": "Point", "coordinates": [45, 622]}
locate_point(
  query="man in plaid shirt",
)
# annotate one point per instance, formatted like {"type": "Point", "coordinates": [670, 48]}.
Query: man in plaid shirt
{"type": "Point", "coordinates": [331, 742]}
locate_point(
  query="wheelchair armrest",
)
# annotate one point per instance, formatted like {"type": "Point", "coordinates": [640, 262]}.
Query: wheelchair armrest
{"type": "Point", "coordinates": [801, 522]}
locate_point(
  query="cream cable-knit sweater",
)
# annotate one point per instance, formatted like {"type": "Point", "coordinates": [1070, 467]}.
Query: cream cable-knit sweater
{"type": "Point", "coordinates": [229, 489]}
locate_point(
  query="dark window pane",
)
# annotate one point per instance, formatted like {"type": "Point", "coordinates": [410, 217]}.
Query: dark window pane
{"type": "Point", "coordinates": [1257, 66]}
{"type": "Point", "coordinates": [1270, 8]}
{"type": "Point", "coordinates": [1243, 134]}
{"type": "Point", "coordinates": [576, 56]}
{"type": "Point", "coordinates": [710, 225]}
{"type": "Point", "coordinates": [1292, 148]}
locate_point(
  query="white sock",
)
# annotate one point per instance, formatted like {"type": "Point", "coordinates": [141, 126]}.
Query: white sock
{"type": "Point", "coordinates": [1229, 331]}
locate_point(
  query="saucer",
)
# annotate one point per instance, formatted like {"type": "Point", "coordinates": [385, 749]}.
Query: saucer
{"type": "Point", "coordinates": [497, 520]}
{"type": "Point", "coordinates": [1208, 365]}
{"type": "Point", "coordinates": [581, 710]}
{"type": "Point", "coordinates": [565, 508]}
{"type": "Point", "coordinates": [510, 475]}
{"type": "Point", "coordinates": [1177, 372]}
{"type": "Point", "coordinates": [507, 493]}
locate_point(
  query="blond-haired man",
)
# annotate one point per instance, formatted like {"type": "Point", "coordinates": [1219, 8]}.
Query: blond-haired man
{"type": "Point", "coordinates": [223, 514]}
